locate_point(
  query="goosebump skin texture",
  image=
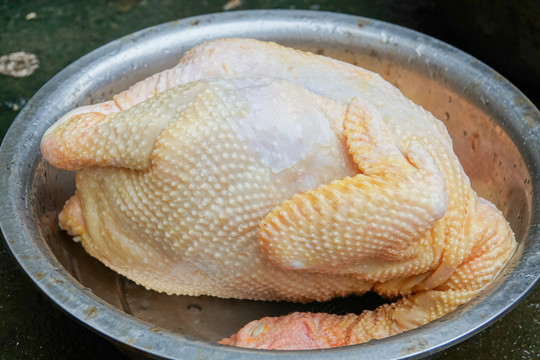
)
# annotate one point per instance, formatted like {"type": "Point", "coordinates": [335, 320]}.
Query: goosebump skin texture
{"type": "Point", "coordinates": [255, 171]}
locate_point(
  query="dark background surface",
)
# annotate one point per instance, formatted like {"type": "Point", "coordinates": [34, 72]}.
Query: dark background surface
{"type": "Point", "coordinates": [503, 34]}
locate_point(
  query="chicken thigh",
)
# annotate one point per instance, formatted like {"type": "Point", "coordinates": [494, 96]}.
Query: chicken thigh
{"type": "Point", "coordinates": [255, 171]}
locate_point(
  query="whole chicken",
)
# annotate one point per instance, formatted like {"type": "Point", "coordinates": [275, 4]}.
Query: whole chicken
{"type": "Point", "coordinates": [255, 171]}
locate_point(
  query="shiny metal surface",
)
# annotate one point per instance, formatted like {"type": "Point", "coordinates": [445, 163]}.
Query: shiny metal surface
{"type": "Point", "coordinates": [496, 133]}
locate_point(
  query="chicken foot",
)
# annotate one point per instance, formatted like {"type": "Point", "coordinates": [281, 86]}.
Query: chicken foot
{"type": "Point", "coordinates": [494, 246]}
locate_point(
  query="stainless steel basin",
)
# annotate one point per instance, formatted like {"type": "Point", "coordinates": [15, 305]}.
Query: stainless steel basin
{"type": "Point", "coordinates": [496, 134]}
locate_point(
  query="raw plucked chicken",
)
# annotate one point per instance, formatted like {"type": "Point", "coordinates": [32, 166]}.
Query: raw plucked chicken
{"type": "Point", "coordinates": [255, 171]}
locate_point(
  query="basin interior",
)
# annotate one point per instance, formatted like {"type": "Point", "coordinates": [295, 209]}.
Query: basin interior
{"type": "Point", "coordinates": [487, 153]}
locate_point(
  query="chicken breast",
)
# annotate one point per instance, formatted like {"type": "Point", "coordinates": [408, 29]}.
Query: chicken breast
{"type": "Point", "coordinates": [255, 171]}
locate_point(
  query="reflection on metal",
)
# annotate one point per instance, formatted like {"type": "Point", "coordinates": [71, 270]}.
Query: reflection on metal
{"type": "Point", "coordinates": [496, 134]}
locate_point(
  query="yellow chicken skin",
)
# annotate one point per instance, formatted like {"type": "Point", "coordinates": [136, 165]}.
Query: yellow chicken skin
{"type": "Point", "coordinates": [255, 171]}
